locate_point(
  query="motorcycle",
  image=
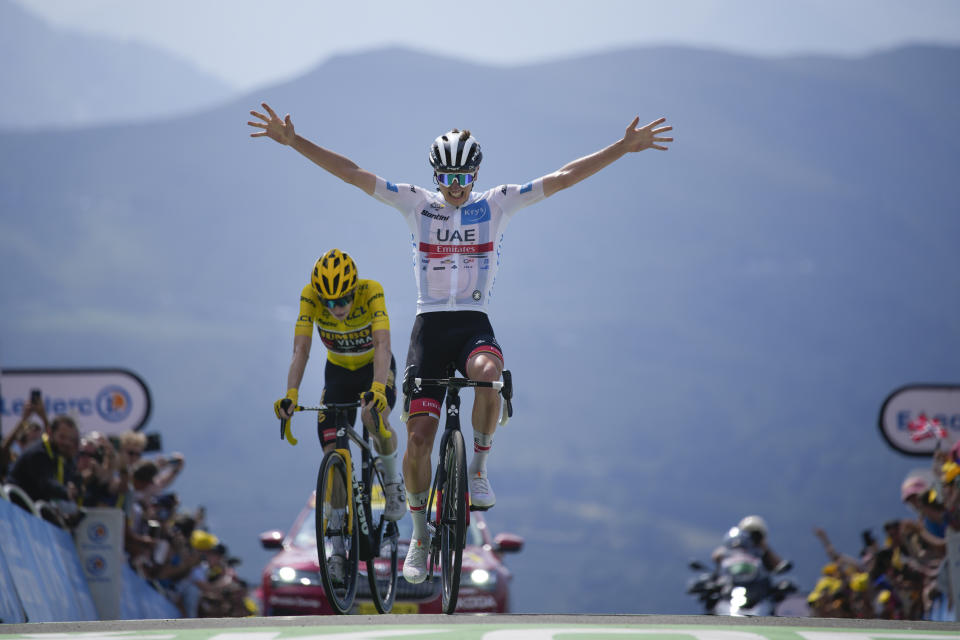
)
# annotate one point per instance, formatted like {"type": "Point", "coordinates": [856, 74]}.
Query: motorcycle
{"type": "Point", "coordinates": [740, 585]}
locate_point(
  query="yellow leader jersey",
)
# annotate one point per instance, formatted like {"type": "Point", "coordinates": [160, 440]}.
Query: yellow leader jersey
{"type": "Point", "coordinates": [349, 343]}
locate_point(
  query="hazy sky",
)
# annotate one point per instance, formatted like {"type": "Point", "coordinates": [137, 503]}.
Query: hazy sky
{"type": "Point", "coordinates": [251, 43]}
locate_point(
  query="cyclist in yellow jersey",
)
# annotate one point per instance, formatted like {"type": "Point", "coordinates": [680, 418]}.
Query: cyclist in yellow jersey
{"type": "Point", "coordinates": [351, 319]}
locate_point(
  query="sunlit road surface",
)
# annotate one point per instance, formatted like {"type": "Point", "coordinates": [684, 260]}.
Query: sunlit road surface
{"type": "Point", "coordinates": [490, 627]}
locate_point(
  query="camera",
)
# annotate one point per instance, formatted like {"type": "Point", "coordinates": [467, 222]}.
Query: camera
{"type": "Point", "coordinates": [36, 398]}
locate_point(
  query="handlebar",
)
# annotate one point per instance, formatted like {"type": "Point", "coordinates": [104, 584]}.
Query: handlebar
{"type": "Point", "coordinates": [504, 386]}
{"type": "Point", "coordinates": [286, 433]}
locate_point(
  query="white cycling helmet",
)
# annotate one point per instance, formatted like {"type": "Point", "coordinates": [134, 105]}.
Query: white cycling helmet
{"type": "Point", "coordinates": [754, 524]}
{"type": "Point", "coordinates": [455, 151]}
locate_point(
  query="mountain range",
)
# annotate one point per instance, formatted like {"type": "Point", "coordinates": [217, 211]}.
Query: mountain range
{"type": "Point", "coordinates": [57, 78]}
{"type": "Point", "coordinates": [695, 335]}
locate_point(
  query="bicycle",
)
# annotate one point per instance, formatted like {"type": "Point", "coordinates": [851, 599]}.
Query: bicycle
{"type": "Point", "coordinates": [343, 540]}
{"type": "Point", "coordinates": [449, 491]}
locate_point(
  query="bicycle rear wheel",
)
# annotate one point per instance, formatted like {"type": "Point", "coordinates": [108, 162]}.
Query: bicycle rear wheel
{"type": "Point", "coordinates": [382, 563]}
{"type": "Point", "coordinates": [452, 507]}
{"type": "Point", "coordinates": [337, 532]}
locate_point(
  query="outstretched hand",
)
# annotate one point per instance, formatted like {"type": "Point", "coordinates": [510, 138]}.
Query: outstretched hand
{"type": "Point", "coordinates": [273, 127]}
{"type": "Point", "coordinates": [638, 139]}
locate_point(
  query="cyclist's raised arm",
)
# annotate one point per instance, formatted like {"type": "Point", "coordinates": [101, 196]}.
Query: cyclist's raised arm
{"type": "Point", "coordinates": [635, 139]}
{"type": "Point", "coordinates": [282, 131]}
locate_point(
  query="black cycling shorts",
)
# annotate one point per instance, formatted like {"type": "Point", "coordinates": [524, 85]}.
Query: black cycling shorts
{"type": "Point", "coordinates": [440, 342]}
{"type": "Point", "coordinates": [345, 385]}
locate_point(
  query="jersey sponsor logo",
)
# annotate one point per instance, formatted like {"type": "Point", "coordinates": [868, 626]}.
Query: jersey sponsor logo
{"type": "Point", "coordinates": [435, 216]}
{"type": "Point", "coordinates": [527, 187]}
{"type": "Point", "coordinates": [475, 213]}
{"type": "Point", "coordinates": [349, 342]}
{"type": "Point", "coordinates": [438, 250]}
{"type": "Point", "coordinates": [308, 301]}
{"type": "Point", "coordinates": [503, 189]}
{"type": "Point", "coordinates": [392, 187]}
{"type": "Point", "coordinates": [476, 294]}
{"type": "Point", "coordinates": [454, 235]}
{"type": "Point", "coordinates": [436, 205]}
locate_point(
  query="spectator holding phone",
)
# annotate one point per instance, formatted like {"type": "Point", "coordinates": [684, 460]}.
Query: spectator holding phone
{"type": "Point", "coordinates": [25, 433]}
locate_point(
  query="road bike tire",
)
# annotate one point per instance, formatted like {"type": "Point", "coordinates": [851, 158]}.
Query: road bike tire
{"type": "Point", "coordinates": [340, 592]}
{"type": "Point", "coordinates": [382, 578]}
{"type": "Point", "coordinates": [452, 508]}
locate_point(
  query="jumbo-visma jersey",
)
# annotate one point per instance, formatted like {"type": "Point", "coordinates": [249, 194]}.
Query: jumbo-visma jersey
{"type": "Point", "coordinates": [349, 343]}
{"type": "Point", "coordinates": [456, 249]}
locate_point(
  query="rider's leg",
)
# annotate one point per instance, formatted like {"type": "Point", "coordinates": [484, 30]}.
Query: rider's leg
{"type": "Point", "coordinates": [486, 412]}
{"type": "Point", "coordinates": [486, 367]}
{"type": "Point", "coordinates": [387, 453]}
{"type": "Point", "coordinates": [421, 431]}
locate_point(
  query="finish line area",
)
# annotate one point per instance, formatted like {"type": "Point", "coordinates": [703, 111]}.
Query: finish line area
{"type": "Point", "coordinates": [489, 627]}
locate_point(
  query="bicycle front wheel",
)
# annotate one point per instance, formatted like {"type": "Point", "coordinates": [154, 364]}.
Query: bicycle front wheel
{"type": "Point", "coordinates": [337, 532]}
{"type": "Point", "coordinates": [382, 563]}
{"type": "Point", "coordinates": [452, 507]}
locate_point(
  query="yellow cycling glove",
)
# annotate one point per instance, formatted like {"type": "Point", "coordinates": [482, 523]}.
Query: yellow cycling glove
{"type": "Point", "coordinates": [379, 391]}
{"type": "Point", "coordinates": [288, 430]}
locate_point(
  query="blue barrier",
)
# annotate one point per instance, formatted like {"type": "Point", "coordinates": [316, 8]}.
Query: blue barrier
{"type": "Point", "coordinates": [140, 601]}
{"type": "Point", "coordinates": [42, 580]}
{"type": "Point", "coordinates": [11, 610]}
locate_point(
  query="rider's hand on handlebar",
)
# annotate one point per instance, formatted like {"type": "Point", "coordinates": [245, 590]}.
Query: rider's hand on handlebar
{"type": "Point", "coordinates": [284, 406]}
{"type": "Point", "coordinates": [379, 391]}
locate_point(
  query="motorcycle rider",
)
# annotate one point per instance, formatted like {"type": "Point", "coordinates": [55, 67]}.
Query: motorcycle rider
{"type": "Point", "coordinates": [750, 535]}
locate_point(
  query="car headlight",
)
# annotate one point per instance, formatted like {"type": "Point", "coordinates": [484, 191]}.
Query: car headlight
{"type": "Point", "coordinates": [289, 575]}
{"type": "Point", "coordinates": [480, 578]}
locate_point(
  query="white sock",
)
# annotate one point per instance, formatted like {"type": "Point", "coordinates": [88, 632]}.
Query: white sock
{"type": "Point", "coordinates": [482, 443]}
{"type": "Point", "coordinates": [389, 462]}
{"type": "Point", "coordinates": [337, 516]}
{"type": "Point", "coordinates": [417, 503]}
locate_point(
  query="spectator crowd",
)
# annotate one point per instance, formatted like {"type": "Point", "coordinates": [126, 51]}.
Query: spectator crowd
{"type": "Point", "coordinates": [903, 574]}
{"type": "Point", "coordinates": [53, 468]}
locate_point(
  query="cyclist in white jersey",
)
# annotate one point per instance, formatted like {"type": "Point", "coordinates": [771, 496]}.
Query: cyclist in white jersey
{"type": "Point", "coordinates": [456, 236]}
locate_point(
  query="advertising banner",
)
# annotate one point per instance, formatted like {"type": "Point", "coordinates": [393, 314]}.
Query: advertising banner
{"type": "Point", "coordinates": [99, 540]}
{"type": "Point", "coordinates": [915, 419]}
{"type": "Point", "coordinates": [110, 401]}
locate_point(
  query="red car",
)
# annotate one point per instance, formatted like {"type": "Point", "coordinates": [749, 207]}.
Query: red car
{"type": "Point", "coordinates": [291, 584]}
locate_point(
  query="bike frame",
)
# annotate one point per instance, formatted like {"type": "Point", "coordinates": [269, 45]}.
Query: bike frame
{"type": "Point", "coordinates": [370, 537]}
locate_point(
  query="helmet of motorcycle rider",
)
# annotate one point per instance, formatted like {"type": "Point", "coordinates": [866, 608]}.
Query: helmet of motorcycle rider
{"type": "Point", "coordinates": [754, 526]}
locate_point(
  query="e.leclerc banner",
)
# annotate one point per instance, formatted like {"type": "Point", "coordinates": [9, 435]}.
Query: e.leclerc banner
{"type": "Point", "coordinates": [935, 403]}
{"type": "Point", "coordinates": [107, 400]}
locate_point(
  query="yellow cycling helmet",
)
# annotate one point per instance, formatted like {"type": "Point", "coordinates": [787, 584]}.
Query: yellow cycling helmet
{"type": "Point", "coordinates": [334, 275]}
